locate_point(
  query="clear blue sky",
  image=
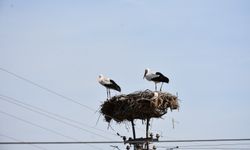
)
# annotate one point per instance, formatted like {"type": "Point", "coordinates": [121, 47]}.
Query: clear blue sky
{"type": "Point", "coordinates": [202, 46]}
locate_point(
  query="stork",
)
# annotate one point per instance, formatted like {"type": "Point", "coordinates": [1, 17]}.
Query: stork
{"type": "Point", "coordinates": [109, 84]}
{"type": "Point", "coordinates": [155, 77]}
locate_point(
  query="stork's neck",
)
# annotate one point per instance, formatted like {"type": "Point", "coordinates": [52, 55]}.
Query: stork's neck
{"type": "Point", "coordinates": [149, 71]}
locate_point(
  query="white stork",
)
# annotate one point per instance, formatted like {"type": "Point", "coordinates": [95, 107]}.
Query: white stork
{"type": "Point", "coordinates": [109, 84]}
{"type": "Point", "coordinates": [155, 77]}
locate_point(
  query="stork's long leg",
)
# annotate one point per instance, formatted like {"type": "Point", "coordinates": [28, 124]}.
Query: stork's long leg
{"type": "Point", "coordinates": [155, 87]}
{"type": "Point", "coordinates": [107, 93]}
{"type": "Point", "coordinates": [161, 86]}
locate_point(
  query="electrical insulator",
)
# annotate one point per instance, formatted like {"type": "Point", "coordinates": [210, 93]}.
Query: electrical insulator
{"type": "Point", "coordinates": [157, 136]}
{"type": "Point", "coordinates": [154, 147]}
{"type": "Point", "coordinates": [151, 135]}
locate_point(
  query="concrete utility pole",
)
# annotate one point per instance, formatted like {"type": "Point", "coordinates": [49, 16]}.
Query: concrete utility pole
{"type": "Point", "coordinates": [141, 143]}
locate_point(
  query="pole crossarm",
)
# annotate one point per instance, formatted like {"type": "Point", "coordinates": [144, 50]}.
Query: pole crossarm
{"type": "Point", "coordinates": [140, 140]}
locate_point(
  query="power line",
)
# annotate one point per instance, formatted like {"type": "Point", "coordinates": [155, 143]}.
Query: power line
{"type": "Point", "coordinates": [54, 118]}
{"type": "Point", "coordinates": [228, 144]}
{"type": "Point", "coordinates": [139, 141]}
{"type": "Point", "coordinates": [219, 148]}
{"type": "Point", "coordinates": [38, 147]}
{"type": "Point", "coordinates": [90, 142]}
{"type": "Point", "coordinates": [41, 127]}
{"type": "Point", "coordinates": [199, 146]}
{"type": "Point", "coordinates": [47, 89]}
{"type": "Point", "coordinates": [204, 140]}
{"type": "Point", "coordinates": [54, 114]}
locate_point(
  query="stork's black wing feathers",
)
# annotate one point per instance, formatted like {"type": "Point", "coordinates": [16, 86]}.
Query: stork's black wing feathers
{"type": "Point", "coordinates": [115, 86]}
{"type": "Point", "coordinates": [162, 78]}
{"type": "Point", "coordinates": [158, 73]}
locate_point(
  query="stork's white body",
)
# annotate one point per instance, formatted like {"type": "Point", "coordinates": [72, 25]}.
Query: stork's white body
{"type": "Point", "coordinates": [103, 80]}
{"type": "Point", "coordinates": [109, 84]}
{"type": "Point", "coordinates": [151, 75]}
{"type": "Point", "coordinates": [156, 77]}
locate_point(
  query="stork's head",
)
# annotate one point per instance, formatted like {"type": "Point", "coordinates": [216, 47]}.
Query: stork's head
{"type": "Point", "coordinates": [100, 77]}
{"type": "Point", "coordinates": [145, 73]}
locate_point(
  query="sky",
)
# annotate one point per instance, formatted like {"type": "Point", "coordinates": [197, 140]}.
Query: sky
{"type": "Point", "coordinates": [203, 47]}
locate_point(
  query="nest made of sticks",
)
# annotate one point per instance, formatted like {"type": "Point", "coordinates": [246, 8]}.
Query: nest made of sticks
{"type": "Point", "coordinates": [138, 105]}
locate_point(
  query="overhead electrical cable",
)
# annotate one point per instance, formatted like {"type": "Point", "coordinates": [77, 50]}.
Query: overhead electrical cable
{"type": "Point", "coordinates": [39, 126]}
{"type": "Point", "coordinates": [32, 145]}
{"type": "Point", "coordinates": [212, 146]}
{"type": "Point", "coordinates": [224, 144]}
{"type": "Point", "coordinates": [47, 89]}
{"type": "Point", "coordinates": [219, 148]}
{"type": "Point", "coordinates": [55, 114]}
{"type": "Point", "coordinates": [134, 141]}
{"type": "Point", "coordinates": [54, 118]}
{"type": "Point", "coordinates": [47, 129]}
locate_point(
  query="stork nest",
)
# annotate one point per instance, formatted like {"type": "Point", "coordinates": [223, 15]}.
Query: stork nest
{"type": "Point", "coordinates": [138, 105]}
